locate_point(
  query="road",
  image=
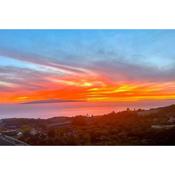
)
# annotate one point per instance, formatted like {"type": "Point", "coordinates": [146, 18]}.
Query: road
{"type": "Point", "coordinates": [9, 141]}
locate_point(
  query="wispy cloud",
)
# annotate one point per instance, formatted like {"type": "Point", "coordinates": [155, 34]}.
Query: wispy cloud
{"type": "Point", "coordinates": [42, 61]}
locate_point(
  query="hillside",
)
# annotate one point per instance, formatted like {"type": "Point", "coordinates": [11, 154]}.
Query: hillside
{"type": "Point", "coordinates": [138, 127]}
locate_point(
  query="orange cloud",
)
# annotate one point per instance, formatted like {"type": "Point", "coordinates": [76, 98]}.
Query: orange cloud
{"type": "Point", "coordinates": [93, 89]}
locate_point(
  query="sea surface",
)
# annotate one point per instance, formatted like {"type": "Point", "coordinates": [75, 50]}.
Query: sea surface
{"type": "Point", "coordinates": [69, 109]}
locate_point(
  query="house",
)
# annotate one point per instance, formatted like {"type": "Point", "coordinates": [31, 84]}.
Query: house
{"type": "Point", "coordinates": [171, 120]}
{"type": "Point", "coordinates": [19, 134]}
{"type": "Point", "coordinates": [33, 131]}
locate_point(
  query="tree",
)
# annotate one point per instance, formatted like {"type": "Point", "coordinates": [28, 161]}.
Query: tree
{"type": "Point", "coordinates": [51, 133]}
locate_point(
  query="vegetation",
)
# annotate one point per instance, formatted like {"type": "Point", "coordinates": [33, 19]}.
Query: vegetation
{"type": "Point", "coordinates": [122, 128]}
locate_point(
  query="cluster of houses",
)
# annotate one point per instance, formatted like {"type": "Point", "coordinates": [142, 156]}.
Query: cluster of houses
{"type": "Point", "coordinates": [168, 125]}
{"type": "Point", "coordinates": [14, 131]}
{"type": "Point", "coordinates": [17, 133]}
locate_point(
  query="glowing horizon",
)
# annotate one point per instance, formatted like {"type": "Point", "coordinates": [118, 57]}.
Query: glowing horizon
{"type": "Point", "coordinates": [87, 65]}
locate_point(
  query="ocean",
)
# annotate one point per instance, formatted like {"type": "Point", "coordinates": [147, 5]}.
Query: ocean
{"type": "Point", "coordinates": [69, 109]}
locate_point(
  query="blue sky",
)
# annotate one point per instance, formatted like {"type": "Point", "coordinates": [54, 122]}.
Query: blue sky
{"type": "Point", "coordinates": [43, 60]}
{"type": "Point", "coordinates": [148, 46]}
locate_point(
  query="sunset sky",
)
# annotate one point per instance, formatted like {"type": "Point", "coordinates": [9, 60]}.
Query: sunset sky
{"type": "Point", "coordinates": [87, 65]}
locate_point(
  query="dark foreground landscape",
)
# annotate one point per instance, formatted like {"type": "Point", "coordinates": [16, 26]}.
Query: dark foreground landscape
{"type": "Point", "coordinates": [138, 127]}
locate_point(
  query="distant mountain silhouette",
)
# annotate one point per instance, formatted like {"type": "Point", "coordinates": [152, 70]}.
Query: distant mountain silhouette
{"type": "Point", "coordinates": [170, 108]}
{"type": "Point", "coordinates": [51, 101]}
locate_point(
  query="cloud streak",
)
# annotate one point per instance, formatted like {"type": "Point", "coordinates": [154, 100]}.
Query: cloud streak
{"type": "Point", "coordinates": [42, 61]}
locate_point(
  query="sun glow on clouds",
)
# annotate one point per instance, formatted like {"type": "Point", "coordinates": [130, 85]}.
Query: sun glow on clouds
{"type": "Point", "coordinates": [88, 91]}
